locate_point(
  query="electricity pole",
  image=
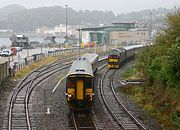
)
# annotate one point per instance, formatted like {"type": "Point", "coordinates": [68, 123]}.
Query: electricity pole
{"type": "Point", "coordinates": [66, 23]}
{"type": "Point", "coordinates": [79, 40]}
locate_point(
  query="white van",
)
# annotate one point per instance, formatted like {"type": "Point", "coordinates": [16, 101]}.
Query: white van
{"type": "Point", "coordinates": [6, 52]}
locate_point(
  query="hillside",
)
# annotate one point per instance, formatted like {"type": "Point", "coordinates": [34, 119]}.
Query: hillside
{"type": "Point", "coordinates": [10, 9]}
{"type": "Point", "coordinates": [29, 19]}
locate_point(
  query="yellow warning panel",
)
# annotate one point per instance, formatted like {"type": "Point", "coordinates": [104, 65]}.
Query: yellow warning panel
{"type": "Point", "coordinates": [89, 90]}
{"type": "Point", "coordinates": [79, 90]}
{"type": "Point", "coordinates": [113, 60]}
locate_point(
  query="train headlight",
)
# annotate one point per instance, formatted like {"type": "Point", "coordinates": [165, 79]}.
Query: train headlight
{"type": "Point", "coordinates": [69, 95]}
{"type": "Point", "coordinates": [90, 95]}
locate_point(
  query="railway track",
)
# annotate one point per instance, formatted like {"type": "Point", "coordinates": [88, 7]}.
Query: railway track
{"type": "Point", "coordinates": [19, 102]}
{"type": "Point", "coordinates": [122, 117]}
{"type": "Point", "coordinates": [18, 115]}
{"type": "Point", "coordinates": [82, 121]}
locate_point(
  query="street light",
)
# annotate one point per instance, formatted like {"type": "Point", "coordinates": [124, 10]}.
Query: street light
{"type": "Point", "coordinates": [41, 48]}
{"type": "Point", "coordinates": [79, 30]}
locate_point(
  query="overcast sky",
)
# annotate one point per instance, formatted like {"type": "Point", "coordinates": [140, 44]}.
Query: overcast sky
{"type": "Point", "coordinates": [117, 6]}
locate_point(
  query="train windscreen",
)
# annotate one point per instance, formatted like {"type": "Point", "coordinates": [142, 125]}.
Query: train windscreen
{"type": "Point", "coordinates": [72, 81]}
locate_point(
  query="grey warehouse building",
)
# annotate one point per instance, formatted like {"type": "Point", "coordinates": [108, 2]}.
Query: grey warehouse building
{"type": "Point", "coordinates": [115, 34]}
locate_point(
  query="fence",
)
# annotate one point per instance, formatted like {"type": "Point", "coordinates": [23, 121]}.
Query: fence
{"type": "Point", "coordinates": [36, 57]}
{"type": "Point", "coordinates": [4, 72]}
{"type": "Point", "coordinates": [7, 70]}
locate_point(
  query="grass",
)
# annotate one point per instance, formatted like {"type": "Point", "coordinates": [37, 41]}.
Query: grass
{"type": "Point", "coordinates": [162, 103]}
{"type": "Point", "coordinates": [27, 69]}
{"type": "Point", "coordinates": [129, 73]}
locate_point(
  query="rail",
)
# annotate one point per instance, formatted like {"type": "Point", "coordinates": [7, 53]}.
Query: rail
{"type": "Point", "coordinates": [115, 106]}
{"type": "Point", "coordinates": [83, 121]}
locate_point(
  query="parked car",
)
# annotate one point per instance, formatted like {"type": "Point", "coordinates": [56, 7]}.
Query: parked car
{"type": "Point", "coordinates": [18, 49]}
{"type": "Point", "coordinates": [6, 52]}
{"type": "Point", "coordinates": [14, 50]}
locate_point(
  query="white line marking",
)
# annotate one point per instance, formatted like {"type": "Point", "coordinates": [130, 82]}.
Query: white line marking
{"type": "Point", "coordinates": [58, 84]}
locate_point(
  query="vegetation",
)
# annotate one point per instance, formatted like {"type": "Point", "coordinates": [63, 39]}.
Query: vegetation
{"type": "Point", "coordinates": [27, 69]}
{"type": "Point", "coordinates": [159, 64]}
{"type": "Point", "coordinates": [129, 74]}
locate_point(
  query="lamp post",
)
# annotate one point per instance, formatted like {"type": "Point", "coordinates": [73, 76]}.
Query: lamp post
{"type": "Point", "coordinates": [28, 52]}
{"type": "Point", "coordinates": [66, 23]}
{"type": "Point", "coordinates": [79, 30]}
{"type": "Point", "coordinates": [41, 48]}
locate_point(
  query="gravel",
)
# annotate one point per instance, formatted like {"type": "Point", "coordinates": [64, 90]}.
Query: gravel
{"type": "Point", "coordinates": [44, 98]}
{"type": "Point", "coordinates": [5, 96]}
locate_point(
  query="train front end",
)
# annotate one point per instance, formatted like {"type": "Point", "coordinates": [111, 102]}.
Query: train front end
{"type": "Point", "coordinates": [80, 92]}
{"type": "Point", "coordinates": [80, 86]}
{"type": "Point", "coordinates": [113, 61]}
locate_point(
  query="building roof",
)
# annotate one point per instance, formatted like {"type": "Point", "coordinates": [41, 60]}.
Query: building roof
{"type": "Point", "coordinates": [115, 25]}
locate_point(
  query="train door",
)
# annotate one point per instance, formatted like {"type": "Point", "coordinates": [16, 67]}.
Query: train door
{"type": "Point", "coordinates": [79, 89]}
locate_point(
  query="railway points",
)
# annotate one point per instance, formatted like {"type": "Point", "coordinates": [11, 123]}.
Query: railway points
{"type": "Point", "coordinates": [102, 63]}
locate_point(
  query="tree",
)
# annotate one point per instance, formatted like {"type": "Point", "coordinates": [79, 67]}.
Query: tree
{"type": "Point", "coordinates": [161, 62]}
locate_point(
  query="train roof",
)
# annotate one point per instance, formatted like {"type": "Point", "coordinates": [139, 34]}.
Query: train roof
{"type": "Point", "coordinates": [132, 47]}
{"type": "Point", "coordinates": [90, 56]}
{"type": "Point", "coordinates": [81, 66]}
{"type": "Point", "coordinates": [118, 50]}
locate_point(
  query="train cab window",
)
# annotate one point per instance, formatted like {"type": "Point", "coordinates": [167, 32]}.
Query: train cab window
{"type": "Point", "coordinates": [71, 83]}
{"type": "Point", "coordinates": [88, 83]}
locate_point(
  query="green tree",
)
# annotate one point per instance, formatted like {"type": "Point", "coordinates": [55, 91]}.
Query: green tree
{"type": "Point", "coordinates": [161, 62]}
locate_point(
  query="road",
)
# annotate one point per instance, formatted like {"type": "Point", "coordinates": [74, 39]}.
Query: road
{"type": "Point", "coordinates": [23, 54]}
